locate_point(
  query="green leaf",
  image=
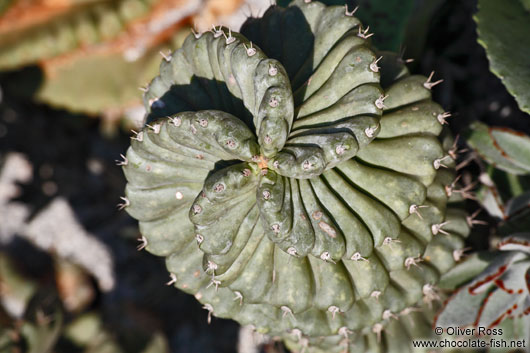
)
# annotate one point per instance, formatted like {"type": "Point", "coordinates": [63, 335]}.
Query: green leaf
{"type": "Point", "coordinates": [503, 28]}
{"type": "Point", "coordinates": [505, 149]}
{"type": "Point", "coordinates": [96, 83]}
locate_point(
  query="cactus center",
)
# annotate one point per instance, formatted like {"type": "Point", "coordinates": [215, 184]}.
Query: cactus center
{"type": "Point", "coordinates": [262, 162]}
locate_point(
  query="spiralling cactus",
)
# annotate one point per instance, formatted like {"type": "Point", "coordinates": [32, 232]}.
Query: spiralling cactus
{"type": "Point", "coordinates": [297, 182]}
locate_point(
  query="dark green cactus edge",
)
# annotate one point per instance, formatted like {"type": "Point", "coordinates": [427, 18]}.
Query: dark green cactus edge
{"type": "Point", "coordinates": [83, 26]}
{"type": "Point", "coordinates": [315, 213]}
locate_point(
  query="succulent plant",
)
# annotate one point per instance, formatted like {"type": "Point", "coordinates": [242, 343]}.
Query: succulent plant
{"type": "Point", "coordinates": [497, 291]}
{"type": "Point", "coordinates": [297, 182]}
{"type": "Point", "coordinates": [113, 47]}
{"type": "Point", "coordinates": [504, 148]}
{"type": "Point", "coordinates": [502, 27]}
{"type": "Point", "coordinates": [30, 35]}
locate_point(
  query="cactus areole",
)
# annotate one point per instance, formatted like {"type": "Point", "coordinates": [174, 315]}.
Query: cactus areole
{"type": "Point", "coordinates": [296, 181]}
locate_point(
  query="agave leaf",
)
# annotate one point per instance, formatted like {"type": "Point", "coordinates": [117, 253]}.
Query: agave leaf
{"type": "Point", "coordinates": [503, 28]}
{"type": "Point", "coordinates": [505, 149]}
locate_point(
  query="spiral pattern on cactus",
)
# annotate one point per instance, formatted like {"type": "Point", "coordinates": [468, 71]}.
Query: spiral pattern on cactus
{"type": "Point", "coordinates": [296, 182]}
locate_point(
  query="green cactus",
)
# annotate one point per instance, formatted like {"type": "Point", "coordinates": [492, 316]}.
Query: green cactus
{"type": "Point", "coordinates": [294, 185]}
{"type": "Point", "coordinates": [497, 292]}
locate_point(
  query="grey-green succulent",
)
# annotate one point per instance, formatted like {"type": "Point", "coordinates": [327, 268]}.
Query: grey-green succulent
{"type": "Point", "coordinates": [493, 291]}
{"type": "Point", "coordinates": [297, 182]}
